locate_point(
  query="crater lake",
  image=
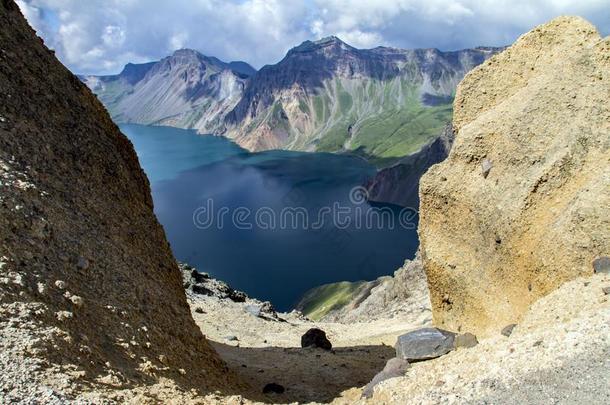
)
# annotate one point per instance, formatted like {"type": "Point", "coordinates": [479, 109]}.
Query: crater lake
{"type": "Point", "coordinates": [272, 224]}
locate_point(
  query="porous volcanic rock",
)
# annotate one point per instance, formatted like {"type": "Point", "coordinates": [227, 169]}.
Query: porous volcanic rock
{"type": "Point", "coordinates": [522, 203]}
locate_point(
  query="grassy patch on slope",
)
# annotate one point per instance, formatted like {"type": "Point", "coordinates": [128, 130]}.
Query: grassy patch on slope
{"type": "Point", "coordinates": [319, 301]}
{"type": "Point", "coordinates": [397, 133]}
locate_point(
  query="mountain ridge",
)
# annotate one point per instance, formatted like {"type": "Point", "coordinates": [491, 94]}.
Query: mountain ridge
{"type": "Point", "coordinates": [325, 95]}
{"type": "Point", "coordinates": [328, 96]}
{"type": "Point", "coordinates": [186, 89]}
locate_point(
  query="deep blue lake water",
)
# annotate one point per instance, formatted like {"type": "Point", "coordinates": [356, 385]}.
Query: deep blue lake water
{"type": "Point", "coordinates": [273, 224]}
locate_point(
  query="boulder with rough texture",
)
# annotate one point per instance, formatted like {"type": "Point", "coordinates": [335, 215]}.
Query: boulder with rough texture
{"type": "Point", "coordinates": [424, 344]}
{"type": "Point", "coordinates": [522, 203]}
{"type": "Point", "coordinates": [315, 337]}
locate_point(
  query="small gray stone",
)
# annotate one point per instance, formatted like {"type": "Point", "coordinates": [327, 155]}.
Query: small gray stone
{"type": "Point", "coordinates": [424, 344]}
{"type": "Point", "coordinates": [486, 166]}
{"type": "Point", "coordinates": [77, 301]}
{"type": "Point", "coordinates": [466, 340]}
{"type": "Point", "coordinates": [231, 338]}
{"type": "Point", "coordinates": [82, 263]}
{"type": "Point", "coordinates": [254, 310]}
{"type": "Point", "coordinates": [508, 329]}
{"type": "Point", "coordinates": [602, 265]}
{"type": "Point", "coordinates": [606, 290]}
{"type": "Point", "coordinates": [394, 368]}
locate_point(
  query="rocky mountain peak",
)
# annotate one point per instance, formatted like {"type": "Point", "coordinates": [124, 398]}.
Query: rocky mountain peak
{"type": "Point", "coordinates": [332, 41]}
{"type": "Point", "coordinates": [332, 44]}
{"type": "Point", "coordinates": [134, 72]}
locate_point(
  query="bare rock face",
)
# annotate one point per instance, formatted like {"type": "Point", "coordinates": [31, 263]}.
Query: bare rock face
{"type": "Point", "coordinates": [86, 274]}
{"type": "Point", "coordinates": [185, 90]}
{"type": "Point", "coordinates": [522, 204]}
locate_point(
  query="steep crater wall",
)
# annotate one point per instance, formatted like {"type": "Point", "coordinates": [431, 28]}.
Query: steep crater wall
{"type": "Point", "coordinates": [81, 252]}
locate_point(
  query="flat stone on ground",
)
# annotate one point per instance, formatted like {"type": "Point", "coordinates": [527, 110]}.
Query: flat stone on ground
{"type": "Point", "coordinates": [424, 344]}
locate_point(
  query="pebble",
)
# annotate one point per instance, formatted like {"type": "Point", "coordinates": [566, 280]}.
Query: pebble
{"type": "Point", "coordinates": [41, 288]}
{"type": "Point", "coordinates": [82, 263]}
{"type": "Point", "coordinates": [77, 301]}
{"type": "Point", "coordinates": [63, 315]}
{"type": "Point", "coordinates": [486, 166]}
{"type": "Point", "coordinates": [60, 284]}
{"type": "Point", "coordinates": [602, 265]}
{"type": "Point", "coordinates": [508, 329]}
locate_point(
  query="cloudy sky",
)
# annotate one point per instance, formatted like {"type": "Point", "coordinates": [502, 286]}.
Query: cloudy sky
{"type": "Point", "coordinates": [100, 36]}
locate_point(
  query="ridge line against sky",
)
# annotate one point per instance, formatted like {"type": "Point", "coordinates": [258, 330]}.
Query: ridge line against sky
{"type": "Point", "coordinates": [101, 36]}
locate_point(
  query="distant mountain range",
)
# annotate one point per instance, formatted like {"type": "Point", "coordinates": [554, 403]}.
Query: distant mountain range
{"type": "Point", "coordinates": [383, 103]}
{"type": "Point", "coordinates": [185, 90]}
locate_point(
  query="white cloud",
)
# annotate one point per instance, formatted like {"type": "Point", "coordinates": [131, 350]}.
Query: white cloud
{"type": "Point", "coordinates": [178, 40]}
{"type": "Point", "coordinates": [360, 39]}
{"type": "Point", "coordinates": [113, 36]}
{"type": "Point", "coordinates": [100, 36]}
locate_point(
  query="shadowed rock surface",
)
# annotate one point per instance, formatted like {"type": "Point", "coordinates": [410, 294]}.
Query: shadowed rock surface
{"type": "Point", "coordinates": [87, 278]}
{"type": "Point", "coordinates": [399, 184]}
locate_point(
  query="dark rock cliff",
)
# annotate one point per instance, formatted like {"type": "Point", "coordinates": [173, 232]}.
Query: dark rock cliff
{"type": "Point", "coordinates": [399, 184]}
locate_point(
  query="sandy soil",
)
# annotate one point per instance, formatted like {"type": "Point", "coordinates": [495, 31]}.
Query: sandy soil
{"type": "Point", "coordinates": [559, 353]}
{"type": "Point", "coordinates": [268, 351]}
